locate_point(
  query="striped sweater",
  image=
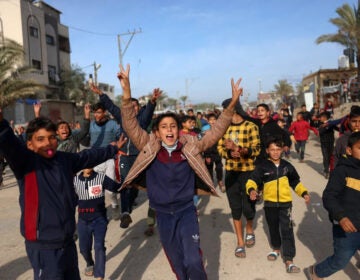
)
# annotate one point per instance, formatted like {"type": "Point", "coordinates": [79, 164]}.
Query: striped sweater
{"type": "Point", "coordinates": [91, 193]}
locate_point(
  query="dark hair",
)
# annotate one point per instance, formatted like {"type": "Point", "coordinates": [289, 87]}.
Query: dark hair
{"type": "Point", "coordinates": [187, 117]}
{"type": "Point", "coordinates": [355, 111]}
{"type": "Point", "coordinates": [274, 140]}
{"type": "Point", "coordinates": [265, 106]}
{"type": "Point", "coordinates": [159, 118]}
{"type": "Point", "coordinates": [325, 114]}
{"type": "Point", "coordinates": [63, 122]}
{"type": "Point", "coordinates": [281, 120]}
{"type": "Point", "coordinates": [211, 115]}
{"type": "Point", "coordinates": [190, 110]}
{"type": "Point", "coordinates": [353, 138]}
{"type": "Point", "coordinates": [135, 100]}
{"type": "Point", "coordinates": [37, 124]}
{"type": "Point", "coordinates": [98, 106]}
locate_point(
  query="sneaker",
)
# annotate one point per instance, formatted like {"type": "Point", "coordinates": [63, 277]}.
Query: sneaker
{"type": "Point", "coordinates": [125, 220]}
{"type": "Point", "coordinates": [115, 213]}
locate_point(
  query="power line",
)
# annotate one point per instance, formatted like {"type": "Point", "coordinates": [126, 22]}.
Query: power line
{"type": "Point", "coordinates": [91, 32]}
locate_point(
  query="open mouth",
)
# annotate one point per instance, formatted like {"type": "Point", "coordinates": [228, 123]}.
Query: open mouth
{"type": "Point", "coordinates": [170, 136]}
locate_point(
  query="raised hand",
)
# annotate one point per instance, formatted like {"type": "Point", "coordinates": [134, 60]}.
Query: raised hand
{"type": "Point", "coordinates": [37, 109]}
{"type": "Point", "coordinates": [156, 94]}
{"type": "Point", "coordinates": [87, 110]}
{"type": "Point", "coordinates": [124, 78]}
{"type": "Point", "coordinates": [95, 89]}
{"type": "Point", "coordinates": [236, 91]}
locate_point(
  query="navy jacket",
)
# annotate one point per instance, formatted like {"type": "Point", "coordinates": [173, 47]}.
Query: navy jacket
{"type": "Point", "coordinates": [47, 196]}
{"type": "Point", "coordinates": [341, 196]}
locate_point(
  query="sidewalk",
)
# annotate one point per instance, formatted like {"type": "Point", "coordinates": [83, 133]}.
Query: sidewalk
{"type": "Point", "coordinates": [132, 256]}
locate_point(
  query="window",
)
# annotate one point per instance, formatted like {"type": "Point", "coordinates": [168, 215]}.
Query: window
{"type": "Point", "coordinates": [34, 32]}
{"type": "Point", "coordinates": [52, 73]}
{"type": "Point", "coordinates": [36, 64]}
{"type": "Point", "coordinates": [64, 44]}
{"type": "Point", "coordinates": [50, 40]}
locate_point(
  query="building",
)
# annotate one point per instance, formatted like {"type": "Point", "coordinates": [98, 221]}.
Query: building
{"type": "Point", "coordinates": [328, 84]}
{"type": "Point", "coordinates": [37, 27]}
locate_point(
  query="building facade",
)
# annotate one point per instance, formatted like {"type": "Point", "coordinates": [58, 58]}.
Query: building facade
{"type": "Point", "coordinates": [36, 26]}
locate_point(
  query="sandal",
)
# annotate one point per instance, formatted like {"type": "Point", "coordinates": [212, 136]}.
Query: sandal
{"type": "Point", "coordinates": [272, 256]}
{"type": "Point", "coordinates": [89, 270]}
{"type": "Point", "coordinates": [250, 240]}
{"type": "Point", "coordinates": [292, 268]}
{"type": "Point", "coordinates": [240, 252]}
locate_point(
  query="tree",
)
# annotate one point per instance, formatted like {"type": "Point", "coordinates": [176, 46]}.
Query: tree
{"type": "Point", "coordinates": [13, 85]}
{"type": "Point", "coordinates": [74, 86]}
{"type": "Point", "coordinates": [283, 89]}
{"type": "Point", "coordinates": [348, 35]}
{"type": "Point", "coordinates": [183, 99]}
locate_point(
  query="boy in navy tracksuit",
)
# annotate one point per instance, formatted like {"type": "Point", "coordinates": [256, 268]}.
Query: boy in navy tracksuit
{"type": "Point", "coordinates": [341, 199]}
{"type": "Point", "coordinates": [47, 197]}
{"type": "Point", "coordinates": [92, 223]}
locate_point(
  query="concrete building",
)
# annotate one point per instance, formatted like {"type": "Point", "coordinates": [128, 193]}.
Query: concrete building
{"type": "Point", "coordinates": [328, 84]}
{"type": "Point", "coordinates": [37, 27]}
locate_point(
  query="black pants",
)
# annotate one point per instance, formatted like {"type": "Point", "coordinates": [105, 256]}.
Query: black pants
{"type": "Point", "coordinates": [327, 149]}
{"type": "Point", "coordinates": [218, 168]}
{"type": "Point", "coordinates": [281, 230]}
{"type": "Point", "coordinates": [239, 201]}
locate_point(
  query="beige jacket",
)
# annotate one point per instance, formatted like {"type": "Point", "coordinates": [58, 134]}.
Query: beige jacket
{"type": "Point", "coordinates": [149, 145]}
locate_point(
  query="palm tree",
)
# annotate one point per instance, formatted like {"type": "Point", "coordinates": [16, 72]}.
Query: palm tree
{"type": "Point", "coordinates": [283, 89]}
{"type": "Point", "coordinates": [13, 86]}
{"type": "Point", "coordinates": [348, 35]}
{"type": "Point", "coordinates": [183, 99]}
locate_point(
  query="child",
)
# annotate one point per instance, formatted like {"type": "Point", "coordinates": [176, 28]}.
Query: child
{"type": "Point", "coordinates": [92, 223]}
{"type": "Point", "coordinates": [278, 177]}
{"type": "Point", "coordinates": [341, 199]}
{"type": "Point", "coordinates": [300, 128]}
{"type": "Point", "coordinates": [188, 125]}
{"type": "Point", "coordinates": [47, 197]}
{"type": "Point", "coordinates": [212, 156]}
{"type": "Point", "coordinates": [282, 123]}
{"type": "Point", "coordinates": [170, 163]}
{"type": "Point", "coordinates": [327, 141]}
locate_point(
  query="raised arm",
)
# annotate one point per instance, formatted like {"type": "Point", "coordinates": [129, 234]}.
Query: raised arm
{"type": "Point", "coordinates": [37, 109]}
{"type": "Point", "coordinates": [85, 125]}
{"type": "Point", "coordinates": [137, 135]}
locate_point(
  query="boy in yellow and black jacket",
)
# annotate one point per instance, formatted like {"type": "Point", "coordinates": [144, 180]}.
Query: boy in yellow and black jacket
{"type": "Point", "coordinates": [276, 177]}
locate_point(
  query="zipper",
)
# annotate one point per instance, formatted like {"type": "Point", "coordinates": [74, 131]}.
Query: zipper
{"type": "Point", "coordinates": [277, 185]}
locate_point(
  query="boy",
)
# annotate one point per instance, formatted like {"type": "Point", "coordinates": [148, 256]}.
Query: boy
{"type": "Point", "coordinates": [92, 223]}
{"type": "Point", "coordinates": [327, 141]}
{"type": "Point", "coordinates": [300, 128]}
{"type": "Point", "coordinates": [170, 163]}
{"type": "Point", "coordinates": [278, 177]}
{"type": "Point", "coordinates": [341, 199]}
{"type": "Point", "coordinates": [212, 156]}
{"type": "Point", "coordinates": [47, 197]}
{"type": "Point", "coordinates": [188, 125]}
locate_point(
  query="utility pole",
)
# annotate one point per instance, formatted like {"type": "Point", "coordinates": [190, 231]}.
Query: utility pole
{"type": "Point", "coordinates": [96, 68]}
{"type": "Point", "coordinates": [122, 53]}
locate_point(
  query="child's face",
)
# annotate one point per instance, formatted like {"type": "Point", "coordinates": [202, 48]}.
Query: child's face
{"type": "Point", "coordinates": [63, 131]}
{"type": "Point", "coordinates": [168, 131]}
{"type": "Point", "coordinates": [281, 124]}
{"type": "Point", "coordinates": [212, 121]}
{"type": "Point", "coordinates": [262, 113]}
{"type": "Point", "coordinates": [354, 151]}
{"type": "Point", "coordinates": [274, 152]}
{"type": "Point", "coordinates": [188, 125]}
{"type": "Point", "coordinates": [99, 114]}
{"type": "Point", "coordinates": [299, 117]}
{"type": "Point", "coordinates": [355, 124]}
{"type": "Point", "coordinates": [43, 142]}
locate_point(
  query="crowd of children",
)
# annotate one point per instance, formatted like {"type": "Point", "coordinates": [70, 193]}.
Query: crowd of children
{"type": "Point", "coordinates": [175, 162]}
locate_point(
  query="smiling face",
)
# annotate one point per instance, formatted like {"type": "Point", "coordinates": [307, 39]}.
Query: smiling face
{"type": "Point", "coordinates": [168, 131]}
{"type": "Point", "coordinates": [43, 142]}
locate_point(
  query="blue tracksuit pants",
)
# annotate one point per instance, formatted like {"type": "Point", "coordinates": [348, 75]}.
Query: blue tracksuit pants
{"type": "Point", "coordinates": [54, 264]}
{"type": "Point", "coordinates": [179, 235]}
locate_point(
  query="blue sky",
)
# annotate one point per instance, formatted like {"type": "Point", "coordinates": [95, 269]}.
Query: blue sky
{"type": "Point", "coordinates": [202, 43]}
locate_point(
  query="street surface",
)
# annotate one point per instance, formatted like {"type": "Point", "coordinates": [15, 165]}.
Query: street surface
{"type": "Point", "coordinates": [132, 256]}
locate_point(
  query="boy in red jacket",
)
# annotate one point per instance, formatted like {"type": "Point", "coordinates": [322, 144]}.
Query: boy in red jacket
{"type": "Point", "coordinates": [300, 128]}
